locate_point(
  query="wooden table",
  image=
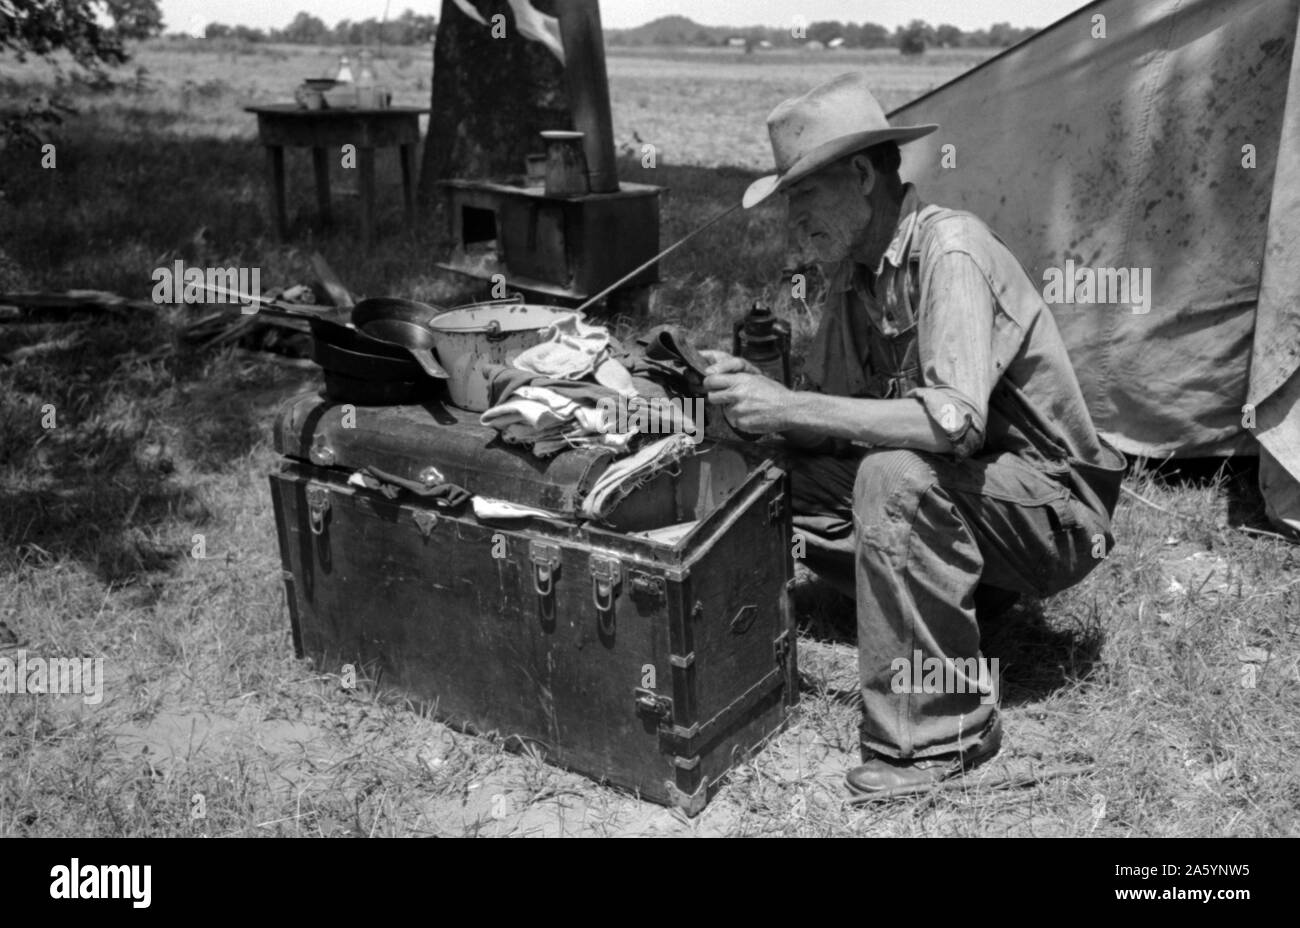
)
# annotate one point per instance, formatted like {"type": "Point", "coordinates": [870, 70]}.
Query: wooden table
{"type": "Point", "coordinates": [286, 125]}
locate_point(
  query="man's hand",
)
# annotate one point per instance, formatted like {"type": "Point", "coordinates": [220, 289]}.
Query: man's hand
{"type": "Point", "coordinates": [720, 362]}
{"type": "Point", "coordinates": [751, 402]}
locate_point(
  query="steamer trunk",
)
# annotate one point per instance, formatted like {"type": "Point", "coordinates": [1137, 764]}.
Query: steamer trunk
{"type": "Point", "coordinates": [655, 666]}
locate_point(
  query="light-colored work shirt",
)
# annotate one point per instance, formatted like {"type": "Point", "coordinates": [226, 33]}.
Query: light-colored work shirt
{"type": "Point", "coordinates": [950, 318]}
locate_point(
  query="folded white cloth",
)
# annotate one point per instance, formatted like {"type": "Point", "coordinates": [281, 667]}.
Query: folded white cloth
{"type": "Point", "coordinates": [521, 411]}
{"type": "Point", "coordinates": [486, 507]}
{"type": "Point", "coordinates": [612, 374]}
{"type": "Point", "coordinates": [552, 422]}
{"type": "Point", "coordinates": [570, 351]}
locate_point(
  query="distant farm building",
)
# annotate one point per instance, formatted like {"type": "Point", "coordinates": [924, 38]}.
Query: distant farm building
{"type": "Point", "coordinates": [736, 42]}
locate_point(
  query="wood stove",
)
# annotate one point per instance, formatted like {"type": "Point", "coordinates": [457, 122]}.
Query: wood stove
{"type": "Point", "coordinates": [567, 248]}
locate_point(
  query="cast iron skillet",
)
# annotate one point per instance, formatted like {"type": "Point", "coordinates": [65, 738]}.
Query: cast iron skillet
{"type": "Point", "coordinates": [362, 366]}
{"type": "Point", "coordinates": [347, 389]}
{"type": "Point", "coordinates": [329, 326]}
{"type": "Point", "coordinates": [400, 322]}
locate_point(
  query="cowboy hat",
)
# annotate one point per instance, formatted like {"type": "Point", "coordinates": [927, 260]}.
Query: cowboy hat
{"type": "Point", "coordinates": [828, 122]}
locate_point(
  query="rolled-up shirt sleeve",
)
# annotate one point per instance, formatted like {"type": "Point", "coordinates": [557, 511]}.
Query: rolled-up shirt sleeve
{"type": "Point", "coordinates": [955, 348]}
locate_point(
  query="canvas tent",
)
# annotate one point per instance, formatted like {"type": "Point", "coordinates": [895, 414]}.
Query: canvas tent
{"type": "Point", "coordinates": [1134, 151]}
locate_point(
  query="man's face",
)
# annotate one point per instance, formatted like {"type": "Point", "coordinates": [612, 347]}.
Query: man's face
{"type": "Point", "coordinates": [829, 212]}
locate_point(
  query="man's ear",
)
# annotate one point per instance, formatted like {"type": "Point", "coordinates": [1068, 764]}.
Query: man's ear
{"type": "Point", "coordinates": [866, 174]}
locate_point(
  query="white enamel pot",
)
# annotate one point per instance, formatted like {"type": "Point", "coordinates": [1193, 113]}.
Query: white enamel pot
{"type": "Point", "coordinates": [471, 339]}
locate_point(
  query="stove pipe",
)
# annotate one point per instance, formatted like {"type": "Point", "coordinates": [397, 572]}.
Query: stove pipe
{"type": "Point", "coordinates": [588, 86]}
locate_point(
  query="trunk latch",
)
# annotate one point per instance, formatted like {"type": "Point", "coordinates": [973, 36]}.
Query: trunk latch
{"type": "Point", "coordinates": [648, 702]}
{"type": "Point", "coordinates": [425, 520]}
{"type": "Point", "coordinates": [321, 454]}
{"type": "Point", "coordinates": [646, 586]}
{"type": "Point", "coordinates": [545, 556]}
{"type": "Point", "coordinates": [318, 504]}
{"type": "Point", "coordinates": [605, 575]}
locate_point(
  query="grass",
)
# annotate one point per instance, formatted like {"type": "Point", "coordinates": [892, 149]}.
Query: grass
{"type": "Point", "coordinates": [1138, 673]}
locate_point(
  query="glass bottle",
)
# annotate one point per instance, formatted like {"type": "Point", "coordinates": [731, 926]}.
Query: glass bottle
{"type": "Point", "coordinates": [344, 75]}
{"type": "Point", "coordinates": [366, 97]}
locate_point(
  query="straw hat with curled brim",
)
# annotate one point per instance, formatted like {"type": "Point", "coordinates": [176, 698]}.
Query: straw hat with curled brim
{"type": "Point", "coordinates": [828, 122]}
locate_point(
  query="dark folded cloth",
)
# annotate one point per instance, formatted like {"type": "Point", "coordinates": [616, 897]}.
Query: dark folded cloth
{"type": "Point", "coordinates": [671, 343]}
{"type": "Point", "coordinates": [442, 495]}
{"type": "Point", "coordinates": [665, 355]}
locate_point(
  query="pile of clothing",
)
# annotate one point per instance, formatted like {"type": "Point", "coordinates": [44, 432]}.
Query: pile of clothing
{"type": "Point", "coordinates": [579, 388]}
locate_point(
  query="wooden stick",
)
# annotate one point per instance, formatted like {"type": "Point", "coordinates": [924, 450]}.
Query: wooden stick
{"type": "Point", "coordinates": [330, 281]}
{"type": "Point", "coordinates": [1146, 502]}
{"type": "Point", "coordinates": [1260, 531]}
{"type": "Point", "coordinates": [280, 359]}
{"type": "Point", "coordinates": [31, 351]}
{"type": "Point", "coordinates": [73, 300]}
{"type": "Point", "coordinates": [1019, 781]}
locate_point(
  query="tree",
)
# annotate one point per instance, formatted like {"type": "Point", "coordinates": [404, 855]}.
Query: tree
{"type": "Point", "coordinates": [135, 19]}
{"type": "Point", "coordinates": [947, 35]}
{"type": "Point", "coordinates": [873, 35]}
{"type": "Point", "coordinates": [306, 30]}
{"type": "Point", "coordinates": [825, 30]}
{"type": "Point", "coordinates": [913, 38]}
{"type": "Point", "coordinates": [93, 32]}
{"type": "Point", "coordinates": [1002, 35]}
{"type": "Point", "coordinates": [412, 28]}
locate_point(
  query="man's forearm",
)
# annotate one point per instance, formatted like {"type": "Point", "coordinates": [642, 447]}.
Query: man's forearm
{"type": "Point", "coordinates": [814, 417]}
{"type": "Point", "coordinates": [809, 441]}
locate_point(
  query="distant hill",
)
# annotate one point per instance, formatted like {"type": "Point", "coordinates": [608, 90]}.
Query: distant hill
{"type": "Point", "coordinates": [670, 30]}
{"type": "Point", "coordinates": [682, 30]}
{"type": "Point", "coordinates": [410, 29]}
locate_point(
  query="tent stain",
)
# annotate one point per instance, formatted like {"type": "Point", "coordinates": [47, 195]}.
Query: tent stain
{"type": "Point", "coordinates": [1272, 47]}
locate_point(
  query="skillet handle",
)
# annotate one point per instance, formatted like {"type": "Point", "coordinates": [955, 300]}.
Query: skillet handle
{"type": "Point", "coordinates": [431, 367]}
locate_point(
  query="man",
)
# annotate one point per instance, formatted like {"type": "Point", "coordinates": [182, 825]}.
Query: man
{"type": "Point", "coordinates": [948, 448]}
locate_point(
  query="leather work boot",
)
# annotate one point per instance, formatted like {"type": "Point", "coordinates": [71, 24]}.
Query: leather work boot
{"type": "Point", "coordinates": [887, 777]}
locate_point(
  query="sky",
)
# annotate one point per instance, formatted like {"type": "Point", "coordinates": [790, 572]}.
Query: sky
{"type": "Point", "coordinates": [191, 15]}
